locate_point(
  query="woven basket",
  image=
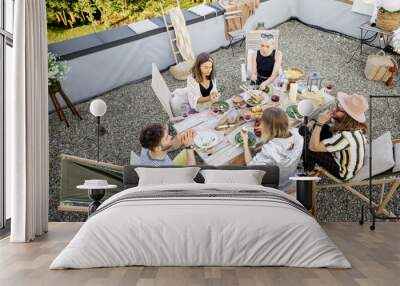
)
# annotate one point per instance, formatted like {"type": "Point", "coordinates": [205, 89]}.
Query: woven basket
{"type": "Point", "coordinates": [388, 21]}
{"type": "Point", "coordinates": [182, 70]}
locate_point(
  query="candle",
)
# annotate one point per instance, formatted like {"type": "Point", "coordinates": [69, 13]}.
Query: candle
{"type": "Point", "coordinates": [293, 93]}
{"type": "Point", "coordinates": [243, 70]}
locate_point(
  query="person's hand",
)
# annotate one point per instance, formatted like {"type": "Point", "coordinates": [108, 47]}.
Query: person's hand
{"type": "Point", "coordinates": [311, 124]}
{"type": "Point", "coordinates": [188, 138]}
{"type": "Point", "coordinates": [253, 77]}
{"type": "Point", "coordinates": [325, 117]}
{"type": "Point", "coordinates": [178, 137]}
{"type": "Point", "coordinates": [263, 86]}
{"type": "Point", "coordinates": [245, 136]}
{"type": "Point", "coordinates": [214, 96]}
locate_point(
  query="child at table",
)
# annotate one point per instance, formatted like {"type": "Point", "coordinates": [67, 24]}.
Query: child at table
{"type": "Point", "coordinates": [283, 146]}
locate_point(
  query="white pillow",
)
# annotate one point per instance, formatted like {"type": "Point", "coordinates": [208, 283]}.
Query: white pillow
{"type": "Point", "coordinates": [382, 157]}
{"type": "Point", "coordinates": [396, 158]}
{"type": "Point", "coordinates": [247, 177]}
{"type": "Point", "coordinates": [166, 176]}
{"type": "Point", "coordinates": [178, 99]}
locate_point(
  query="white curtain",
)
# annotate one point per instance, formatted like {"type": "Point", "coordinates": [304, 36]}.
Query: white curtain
{"type": "Point", "coordinates": [27, 124]}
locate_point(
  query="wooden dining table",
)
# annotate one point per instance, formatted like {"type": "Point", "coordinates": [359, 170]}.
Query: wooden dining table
{"type": "Point", "coordinates": [227, 151]}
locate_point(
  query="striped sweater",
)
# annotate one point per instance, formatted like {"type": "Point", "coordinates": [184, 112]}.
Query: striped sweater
{"type": "Point", "coordinates": [348, 148]}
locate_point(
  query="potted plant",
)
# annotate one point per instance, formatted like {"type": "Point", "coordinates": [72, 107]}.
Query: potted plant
{"type": "Point", "coordinates": [389, 15]}
{"type": "Point", "coordinates": [57, 71]}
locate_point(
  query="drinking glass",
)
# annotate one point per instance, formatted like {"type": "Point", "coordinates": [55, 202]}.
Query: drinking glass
{"type": "Point", "coordinates": [247, 116]}
{"type": "Point", "coordinates": [215, 108]}
{"type": "Point", "coordinates": [329, 87]}
{"type": "Point", "coordinates": [185, 110]}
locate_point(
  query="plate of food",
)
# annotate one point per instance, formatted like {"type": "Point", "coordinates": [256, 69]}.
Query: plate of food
{"type": "Point", "coordinates": [252, 138]}
{"type": "Point", "coordinates": [293, 112]}
{"type": "Point", "coordinates": [206, 139]}
{"type": "Point", "coordinates": [220, 106]}
{"type": "Point", "coordinates": [256, 111]}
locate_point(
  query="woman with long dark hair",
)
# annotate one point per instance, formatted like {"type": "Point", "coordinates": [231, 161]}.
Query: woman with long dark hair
{"type": "Point", "coordinates": [201, 85]}
{"type": "Point", "coordinates": [339, 148]}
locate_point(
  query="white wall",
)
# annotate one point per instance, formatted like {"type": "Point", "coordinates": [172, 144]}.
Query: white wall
{"type": "Point", "coordinates": [102, 71]}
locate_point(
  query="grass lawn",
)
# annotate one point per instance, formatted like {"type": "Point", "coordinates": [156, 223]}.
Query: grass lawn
{"type": "Point", "coordinates": [59, 34]}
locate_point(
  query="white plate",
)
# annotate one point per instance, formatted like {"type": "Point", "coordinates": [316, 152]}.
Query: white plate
{"type": "Point", "coordinates": [246, 96]}
{"type": "Point", "coordinates": [206, 139]}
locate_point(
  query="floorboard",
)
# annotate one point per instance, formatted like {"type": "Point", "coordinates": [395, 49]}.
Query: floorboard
{"type": "Point", "coordinates": [375, 257]}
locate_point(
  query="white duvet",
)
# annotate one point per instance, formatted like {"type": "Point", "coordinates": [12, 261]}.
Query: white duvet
{"type": "Point", "coordinates": [203, 231]}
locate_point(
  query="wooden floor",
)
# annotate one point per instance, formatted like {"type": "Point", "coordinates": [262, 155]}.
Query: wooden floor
{"type": "Point", "coordinates": [375, 257]}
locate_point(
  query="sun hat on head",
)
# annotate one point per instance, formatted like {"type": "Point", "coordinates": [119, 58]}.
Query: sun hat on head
{"type": "Point", "coordinates": [355, 105]}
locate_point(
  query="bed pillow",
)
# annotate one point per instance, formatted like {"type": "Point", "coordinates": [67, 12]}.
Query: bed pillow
{"type": "Point", "coordinates": [166, 176]}
{"type": "Point", "coordinates": [247, 177]}
{"type": "Point", "coordinates": [382, 157]}
{"type": "Point", "coordinates": [396, 158]}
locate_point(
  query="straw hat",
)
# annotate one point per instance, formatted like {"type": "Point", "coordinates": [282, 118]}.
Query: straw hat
{"type": "Point", "coordinates": [355, 105]}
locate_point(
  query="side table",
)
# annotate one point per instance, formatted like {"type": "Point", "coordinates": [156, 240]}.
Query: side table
{"type": "Point", "coordinates": [95, 193]}
{"type": "Point", "coordinates": [306, 191]}
{"type": "Point", "coordinates": [369, 34]}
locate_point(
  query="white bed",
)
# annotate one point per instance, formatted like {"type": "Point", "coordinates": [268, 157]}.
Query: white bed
{"type": "Point", "coordinates": [221, 225]}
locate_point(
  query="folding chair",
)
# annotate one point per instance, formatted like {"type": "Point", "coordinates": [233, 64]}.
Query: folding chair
{"type": "Point", "coordinates": [236, 35]}
{"type": "Point", "coordinates": [162, 92]}
{"type": "Point", "coordinates": [384, 179]}
{"type": "Point", "coordinates": [253, 39]}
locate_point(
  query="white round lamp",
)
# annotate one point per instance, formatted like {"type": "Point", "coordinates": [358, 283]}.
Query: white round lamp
{"type": "Point", "coordinates": [98, 107]}
{"type": "Point", "coordinates": [305, 107]}
{"type": "Point", "coordinates": [391, 5]}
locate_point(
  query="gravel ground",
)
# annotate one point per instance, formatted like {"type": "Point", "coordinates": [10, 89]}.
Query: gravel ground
{"type": "Point", "coordinates": [133, 106]}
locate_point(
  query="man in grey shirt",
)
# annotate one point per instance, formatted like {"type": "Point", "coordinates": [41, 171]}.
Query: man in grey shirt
{"type": "Point", "coordinates": [157, 142]}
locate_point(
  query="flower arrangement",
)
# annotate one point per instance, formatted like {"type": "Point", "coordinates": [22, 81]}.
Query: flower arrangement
{"type": "Point", "coordinates": [57, 70]}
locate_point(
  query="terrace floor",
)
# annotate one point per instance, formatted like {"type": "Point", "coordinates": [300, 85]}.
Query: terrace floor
{"type": "Point", "coordinates": [133, 106]}
{"type": "Point", "coordinates": [374, 255]}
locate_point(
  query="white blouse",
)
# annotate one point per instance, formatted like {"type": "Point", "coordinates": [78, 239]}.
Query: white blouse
{"type": "Point", "coordinates": [193, 90]}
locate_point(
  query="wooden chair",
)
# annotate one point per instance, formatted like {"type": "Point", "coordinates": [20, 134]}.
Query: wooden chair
{"type": "Point", "coordinates": [162, 92]}
{"type": "Point", "coordinates": [238, 35]}
{"type": "Point", "coordinates": [384, 179]}
{"type": "Point", "coordinates": [253, 39]}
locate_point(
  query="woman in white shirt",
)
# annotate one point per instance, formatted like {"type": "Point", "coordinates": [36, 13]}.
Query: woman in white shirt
{"type": "Point", "coordinates": [201, 86]}
{"type": "Point", "coordinates": [283, 147]}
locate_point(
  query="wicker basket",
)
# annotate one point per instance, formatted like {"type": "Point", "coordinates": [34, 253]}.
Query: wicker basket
{"type": "Point", "coordinates": [388, 21]}
{"type": "Point", "coordinates": [293, 79]}
{"type": "Point", "coordinates": [181, 70]}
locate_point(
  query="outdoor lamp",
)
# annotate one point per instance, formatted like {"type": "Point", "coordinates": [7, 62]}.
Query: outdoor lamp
{"type": "Point", "coordinates": [314, 78]}
{"type": "Point", "coordinates": [305, 108]}
{"type": "Point", "coordinates": [391, 5]}
{"type": "Point", "coordinates": [98, 108]}
{"type": "Point", "coordinates": [304, 183]}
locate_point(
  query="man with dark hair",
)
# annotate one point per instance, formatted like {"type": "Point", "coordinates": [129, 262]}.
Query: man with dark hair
{"type": "Point", "coordinates": [156, 143]}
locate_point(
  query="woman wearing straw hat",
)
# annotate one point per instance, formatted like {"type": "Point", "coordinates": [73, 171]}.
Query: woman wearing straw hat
{"type": "Point", "coordinates": [340, 148]}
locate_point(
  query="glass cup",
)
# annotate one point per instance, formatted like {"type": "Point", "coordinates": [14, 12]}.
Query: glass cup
{"type": "Point", "coordinates": [247, 116]}
{"type": "Point", "coordinates": [329, 87]}
{"type": "Point", "coordinates": [185, 110]}
{"type": "Point", "coordinates": [215, 108]}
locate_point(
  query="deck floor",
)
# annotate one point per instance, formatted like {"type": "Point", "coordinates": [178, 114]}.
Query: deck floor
{"type": "Point", "coordinates": [374, 255]}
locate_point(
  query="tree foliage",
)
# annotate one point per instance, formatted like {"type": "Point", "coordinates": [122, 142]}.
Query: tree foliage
{"type": "Point", "coordinates": [73, 13]}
